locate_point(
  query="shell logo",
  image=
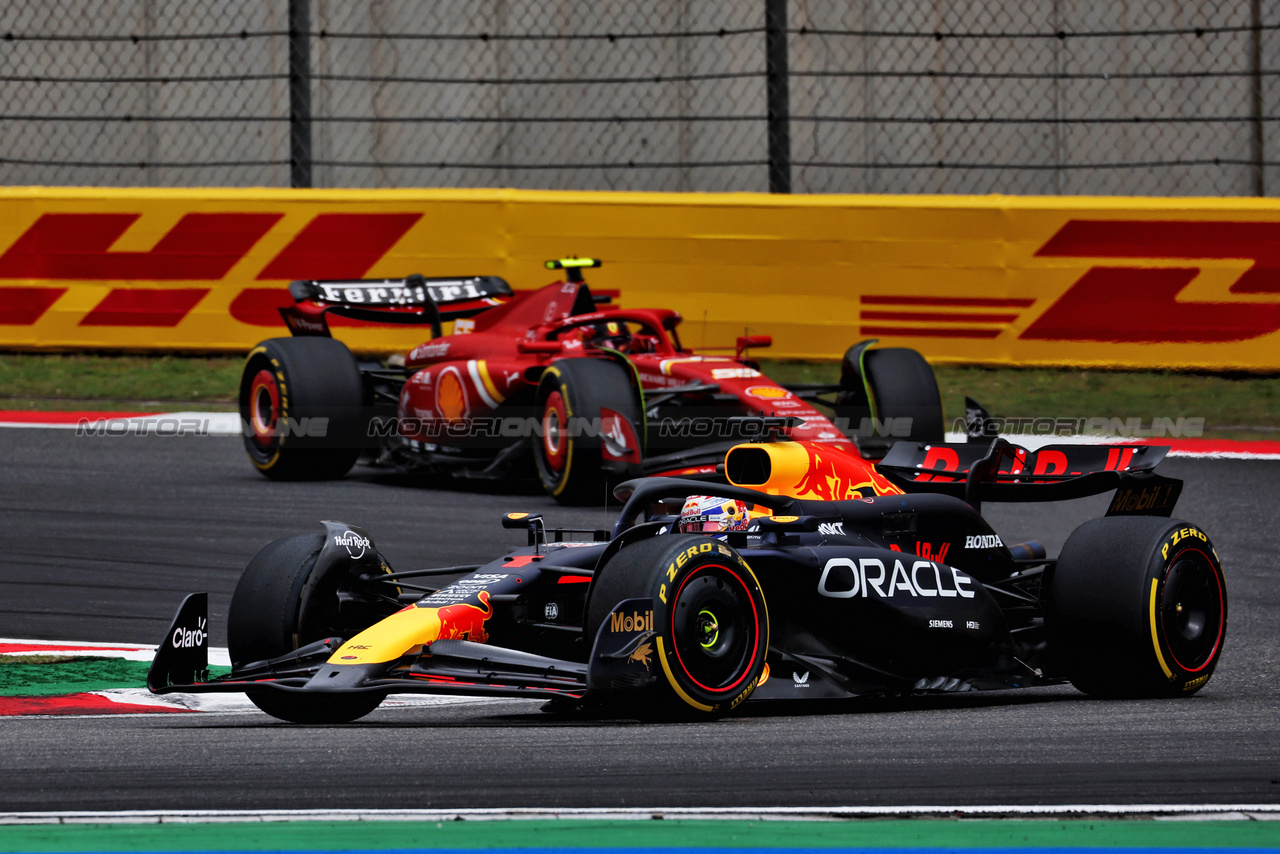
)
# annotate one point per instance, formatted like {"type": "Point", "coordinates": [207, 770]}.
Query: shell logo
{"type": "Point", "coordinates": [768, 392]}
{"type": "Point", "coordinates": [451, 396]}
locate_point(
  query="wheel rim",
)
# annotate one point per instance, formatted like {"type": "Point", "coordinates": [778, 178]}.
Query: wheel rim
{"type": "Point", "coordinates": [1192, 610]}
{"type": "Point", "coordinates": [264, 409]}
{"type": "Point", "coordinates": [708, 629]}
{"type": "Point", "coordinates": [715, 628]}
{"type": "Point", "coordinates": [555, 438]}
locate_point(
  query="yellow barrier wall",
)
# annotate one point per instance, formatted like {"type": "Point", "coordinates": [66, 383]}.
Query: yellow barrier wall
{"type": "Point", "coordinates": [1184, 283]}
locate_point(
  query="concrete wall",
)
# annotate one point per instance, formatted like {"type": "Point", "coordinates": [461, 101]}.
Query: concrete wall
{"type": "Point", "coordinates": [666, 95]}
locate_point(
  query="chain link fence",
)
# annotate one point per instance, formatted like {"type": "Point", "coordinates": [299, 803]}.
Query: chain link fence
{"type": "Point", "coordinates": [1144, 97]}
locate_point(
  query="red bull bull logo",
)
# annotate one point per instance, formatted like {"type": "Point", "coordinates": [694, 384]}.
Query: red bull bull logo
{"type": "Point", "coordinates": [465, 622]}
{"type": "Point", "coordinates": [836, 475]}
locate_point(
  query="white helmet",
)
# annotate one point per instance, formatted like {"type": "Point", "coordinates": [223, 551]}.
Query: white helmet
{"type": "Point", "coordinates": [712, 514]}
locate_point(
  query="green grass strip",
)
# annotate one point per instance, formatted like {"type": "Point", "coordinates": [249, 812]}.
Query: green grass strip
{"type": "Point", "coordinates": [73, 676]}
{"type": "Point", "coordinates": [1233, 406]}
{"type": "Point", "coordinates": [670, 833]}
{"type": "Point", "coordinates": [98, 381]}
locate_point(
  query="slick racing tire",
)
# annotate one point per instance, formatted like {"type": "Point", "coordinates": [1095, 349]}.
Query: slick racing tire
{"type": "Point", "coordinates": [281, 604]}
{"type": "Point", "coordinates": [710, 623]}
{"type": "Point", "coordinates": [1137, 608]}
{"type": "Point", "coordinates": [575, 397]}
{"type": "Point", "coordinates": [901, 385]}
{"type": "Point", "coordinates": [302, 408]}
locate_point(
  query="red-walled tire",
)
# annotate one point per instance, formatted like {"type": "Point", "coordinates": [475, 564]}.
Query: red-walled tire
{"type": "Point", "coordinates": [710, 620]}
{"type": "Point", "coordinates": [302, 408]}
{"type": "Point", "coordinates": [1137, 607]}
{"type": "Point", "coordinates": [569, 452]}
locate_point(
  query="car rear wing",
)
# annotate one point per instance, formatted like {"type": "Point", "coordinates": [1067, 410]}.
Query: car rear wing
{"type": "Point", "coordinates": [1002, 471]}
{"type": "Point", "coordinates": [414, 299]}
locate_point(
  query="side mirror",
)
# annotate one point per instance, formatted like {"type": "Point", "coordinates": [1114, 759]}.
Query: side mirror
{"type": "Point", "coordinates": [520, 520]}
{"type": "Point", "coordinates": [746, 342]}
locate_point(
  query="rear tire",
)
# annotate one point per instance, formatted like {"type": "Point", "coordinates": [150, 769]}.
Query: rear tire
{"type": "Point", "coordinates": [281, 604]}
{"type": "Point", "coordinates": [287, 384]}
{"type": "Point", "coordinates": [1137, 608]}
{"type": "Point", "coordinates": [574, 396]}
{"type": "Point", "coordinates": [901, 384]}
{"type": "Point", "coordinates": [710, 620]}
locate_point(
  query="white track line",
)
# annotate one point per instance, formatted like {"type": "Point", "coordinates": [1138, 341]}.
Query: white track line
{"type": "Point", "coordinates": [1216, 812]}
{"type": "Point", "coordinates": [161, 423]}
{"type": "Point", "coordinates": [218, 655]}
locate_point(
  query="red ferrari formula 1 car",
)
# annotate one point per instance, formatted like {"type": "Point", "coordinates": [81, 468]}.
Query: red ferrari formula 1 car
{"type": "Point", "coordinates": [553, 382]}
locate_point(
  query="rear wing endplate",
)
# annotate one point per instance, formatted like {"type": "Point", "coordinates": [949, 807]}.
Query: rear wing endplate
{"type": "Point", "coordinates": [413, 299]}
{"type": "Point", "coordinates": [1002, 471]}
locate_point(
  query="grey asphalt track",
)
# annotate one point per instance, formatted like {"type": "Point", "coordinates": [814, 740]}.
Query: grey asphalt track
{"type": "Point", "coordinates": [103, 536]}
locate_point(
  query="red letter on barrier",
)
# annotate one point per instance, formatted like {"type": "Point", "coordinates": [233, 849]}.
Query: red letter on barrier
{"type": "Point", "coordinates": [75, 246]}
{"type": "Point", "coordinates": [24, 306]}
{"type": "Point", "coordinates": [144, 307]}
{"type": "Point", "coordinates": [340, 246]}
{"type": "Point", "coordinates": [1139, 305]}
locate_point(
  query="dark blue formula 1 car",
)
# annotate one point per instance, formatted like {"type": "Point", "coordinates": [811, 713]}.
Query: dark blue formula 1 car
{"type": "Point", "coordinates": [846, 579]}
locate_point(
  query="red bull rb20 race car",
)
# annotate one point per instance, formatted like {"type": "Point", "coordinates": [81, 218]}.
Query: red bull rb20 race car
{"type": "Point", "coordinates": [811, 573]}
{"type": "Point", "coordinates": [553, 383]}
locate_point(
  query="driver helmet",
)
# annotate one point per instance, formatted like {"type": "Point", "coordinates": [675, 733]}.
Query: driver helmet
{"type": "Point", "coordinates": [612, 334]}
{"type": "Point", "coordinates": [712, 514]}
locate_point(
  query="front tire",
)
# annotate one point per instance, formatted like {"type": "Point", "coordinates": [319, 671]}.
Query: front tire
{"type": "Point", "coordinates": [577, 459]}
{"type": "Point", "coordinates": [1137, 608]}
{"type": "Point", "coordinates": [302, 408]}
{"type": "Point", "coordinates": [710, 620]}
{"type": "Point", "coordinates": [281, 603]}
{"type": "Point", "coordinates": [901, 385]}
